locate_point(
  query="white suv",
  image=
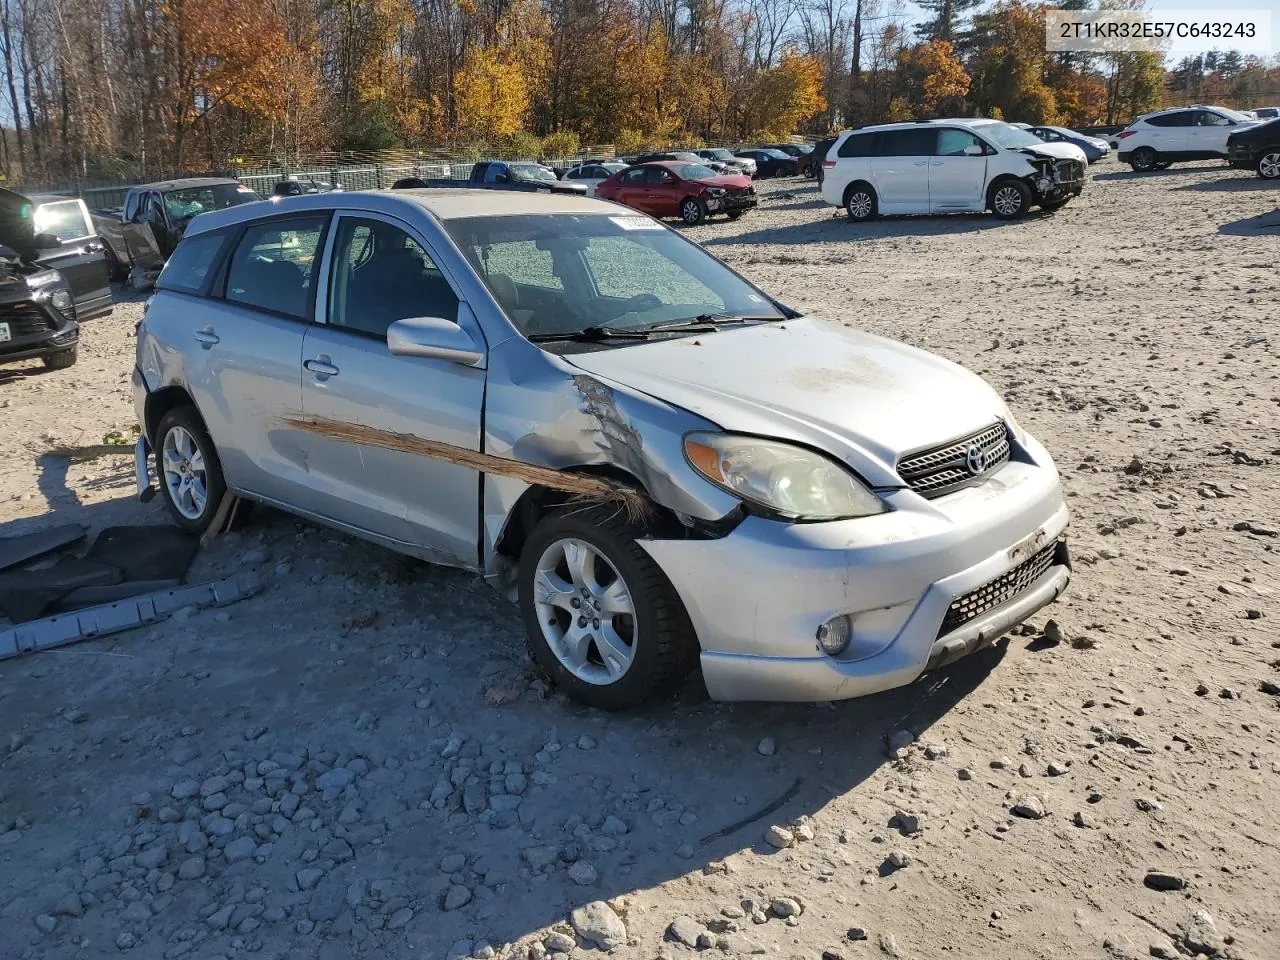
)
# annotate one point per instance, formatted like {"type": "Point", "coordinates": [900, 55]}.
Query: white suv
{"type": "Point", "coordinates": [949, 166]}
{"type": "Point", "coordinates": [1155, 140]}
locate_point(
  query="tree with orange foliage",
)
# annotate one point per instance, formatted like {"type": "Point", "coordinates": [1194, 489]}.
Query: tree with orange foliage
{"type": "Point", "coordinates": [932, 81]}
{"type": "Point", "coordinates": [786, 95]}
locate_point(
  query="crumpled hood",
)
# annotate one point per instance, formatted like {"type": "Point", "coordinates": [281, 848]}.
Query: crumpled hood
{"type": "Point", "coordinates": [862, 398]}
{"type": "Point", "coordinates": [735, 181]}
{"type": "Point", "coordinates": [1055, 151]}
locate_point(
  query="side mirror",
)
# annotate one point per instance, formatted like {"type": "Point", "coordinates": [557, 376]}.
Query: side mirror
{"type": "Point", "coordinates": [434, 338]}
{"type": "Point", "coordinates": [973, 150]}
{"type": "Point", "coordinates": [46, 241]}
{"type": "Point", "coordinates": [502, 178]}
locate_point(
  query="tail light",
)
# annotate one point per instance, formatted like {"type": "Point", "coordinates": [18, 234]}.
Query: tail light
{"type": "Point", "coordinates": [828, 164]}
{"type": "Point", "coordinates": [1125, 133]}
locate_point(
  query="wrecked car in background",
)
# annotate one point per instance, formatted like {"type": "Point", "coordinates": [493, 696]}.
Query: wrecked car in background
{"type": "Point", "coordinates": [143, 232]}
{"type": "Point", "coordinates": [56, 233]}
{"type": "Point", "coordinates": [661, 462]}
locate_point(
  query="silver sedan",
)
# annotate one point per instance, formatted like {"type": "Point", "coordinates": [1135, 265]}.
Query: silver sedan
{"type": "Point", "coordinates": [662, 463]}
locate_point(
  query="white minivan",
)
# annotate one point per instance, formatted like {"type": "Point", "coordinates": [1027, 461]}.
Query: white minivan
{"type": "Point", "coordinates": [949, 166]}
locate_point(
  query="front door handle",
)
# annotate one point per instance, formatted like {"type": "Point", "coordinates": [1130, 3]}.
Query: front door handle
{"type": "Point", "coordinates": [921, 163]}
{"type": "Point", "coordinates": [321, 366]}
{"type": "Point", "coordinates": [206, 337]}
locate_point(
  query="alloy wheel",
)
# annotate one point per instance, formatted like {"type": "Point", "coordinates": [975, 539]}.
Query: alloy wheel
{"type": "Point", "coordinates": [1269, 166]}
{"type": "Point", "coordinates": [860, 205]}
{"type": "Point", "coordinates": [585, 611]}
{"type": "Point", "coordinates": [690, 212]}
{"type": "Point", "coordinates": [182, 464]}
{"type": "Point", "coordinates": [1007, 201]}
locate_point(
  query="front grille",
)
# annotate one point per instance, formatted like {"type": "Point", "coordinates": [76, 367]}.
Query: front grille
{"type": "Point", "coordinates": [1069, 171]}
{"type": "Point", "coordinates": [998, 591]}
{"type": "Point", "coordinates": [25, 319]}
{"type": "Point", "coordinates": [940, 470]}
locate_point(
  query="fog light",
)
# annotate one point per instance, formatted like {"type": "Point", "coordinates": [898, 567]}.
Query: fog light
{"type": "Point", "coordinates": [833, 636]}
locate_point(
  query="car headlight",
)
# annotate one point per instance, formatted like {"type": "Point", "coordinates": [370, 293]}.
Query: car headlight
{"type": "Point", "coordinates": [785, 479]}
{"type": "Point", "coordinates": [61, 301]}
{"type": "Point", "coordinates": [715, 191]}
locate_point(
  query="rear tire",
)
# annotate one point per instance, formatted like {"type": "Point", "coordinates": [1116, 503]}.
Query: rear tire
{"type": "Point", "coordinates": [610, 660]}
{"type": "Point", "coordinates": [734, 214]}
{"type": "Point", "coordinates": [1144, 160]}
{"type": "Point", "coordinates": [190, 472]}
{"type": "Point", "coordinates": [62, 359]}
{"type": "Point", "coordinates": [693, 211]}
{"type": "Point", "coordinates": [1269, 165]}
{"type": "Point", "coordinates": [116, 272]}
{"type": "Point", "coordinates": [1009, 199]}
{"type": "Point", "coordinates": [860, 202]}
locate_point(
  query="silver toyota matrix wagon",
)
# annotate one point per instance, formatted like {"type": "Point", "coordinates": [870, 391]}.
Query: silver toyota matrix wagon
{"type": "Point", "coordinates": [660, 461]}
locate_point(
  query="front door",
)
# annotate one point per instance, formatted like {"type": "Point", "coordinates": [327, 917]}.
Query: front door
{"type": "Point", "coordinates": [901, 170]}
{"type": "Point", "coordinates": [631, 188]}
{"type": "Point", "coordinates": [78, 255]}
{"type": "Point", "coordinates": [382, 271]}
{"type": "Point", "coordinates": [957, 175]}
{"type": "Point", "coordinates": [662, 192]}
{"type": "Point", "coordinates": [1208, 133]}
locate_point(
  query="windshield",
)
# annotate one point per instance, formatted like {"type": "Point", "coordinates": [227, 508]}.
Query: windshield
{"type": "Point", "coordinates": [1008, 136]}
{"type": "Point", "coordinates": [695, 171]}
{"type": "Point", "coordinates": [1236, 115]}
{"type": "Point", "coordinates": [187, 203]}
{"type": "Point", "coordinates": [776, 154]}
{"type": "Point", "coordinates": [718, 154]}
{"type": "Point", "coordinates": [531, 171]}
{"type": "Point", "coordinates": [562, 273]}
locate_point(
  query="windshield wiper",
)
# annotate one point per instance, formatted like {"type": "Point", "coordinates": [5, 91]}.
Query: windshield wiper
{"type": "Point", "coordinates": [711, 321]}
{"type": "Point", "coordinates": [590, 335]}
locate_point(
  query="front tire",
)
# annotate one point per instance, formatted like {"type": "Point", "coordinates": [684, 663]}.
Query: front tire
{"type": "Point", "coordinates": [1144, 160]}
{"type": "Point", "coordinates": [1010, 199]}
{"type": "Point", "coordinates": [1053, 205]}
{"type": "Point", "coordinates": [692, 211]}
{"type": "Point", "coordinates": [860, 202]}
{"type": "Point", "coordinates": [1269, 165]}
{"type": "Point", "coordinates": [189, 469]}
{"type": "Point", "coordinates": [734, 214]}
{"type": "Point", "coordinates": [600, 616]}
{"type": "Point", "coordinates": [62, 359]}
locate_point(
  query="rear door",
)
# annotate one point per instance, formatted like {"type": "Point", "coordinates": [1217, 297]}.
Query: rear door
{"type": "Point", "coordinates": [901, 169]}
{"type": "Point", "coordinates": [382, 270]}
{"type": "Point", "coordinates": [1168, 132]}
{"type": "Point", "coordinates": [243, 346]}
{"type": "Point", "coordinates": [78, 255]}
{"type": "Point", "coordinates": [631, 188]}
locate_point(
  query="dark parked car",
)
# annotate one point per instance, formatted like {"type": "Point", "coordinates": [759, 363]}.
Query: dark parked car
{"type": "Point", "coordinates": [524, 176]}
{"type": "Point", "coordinates": [820, 151]}
{"type": "Point", "coordinates": [37, 314]}
{"type": "Point", "coordinates": [802, 153]}
{"type": "Point", "coordinates": [165, 208]}
{"type": "Point", "coordinates": [62, 237]}
{"type": "Point", "coordinates": [1257, 149]}
{"type": "Point", "coordinates": [771, 163]}
{"type": "Point", "coordinates": [673, 188]}
{"type": "Point", "coordinates": [301, 186]}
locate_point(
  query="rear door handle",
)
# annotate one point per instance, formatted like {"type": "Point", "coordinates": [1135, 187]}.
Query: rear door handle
{"type": "Point", "coordinates": [921, 163]}
{"type": "Point", "coordinates": [321, 367]}
{"type": "Point", "coordinates": [206, 337]}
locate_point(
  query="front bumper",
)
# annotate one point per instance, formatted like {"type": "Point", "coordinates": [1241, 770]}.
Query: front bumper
{"type": "Point", "coordinates": [757, 596]}
{"type": "Point", "coordinates": [35, 330]}
{"type": "Point", "coordinates": [1243, 158]}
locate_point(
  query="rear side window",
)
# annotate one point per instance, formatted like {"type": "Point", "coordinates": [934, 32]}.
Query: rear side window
{"type": "Point", "coordinates": [190, 264]}
{"type": "Point", "coordinates": [65, 220]}
{"type": "Point", "coordinates": [273, 264]}
{"type": "Point", "coordinates": [1180, 119]}
{"type": "Point", "coordinates": [907, 143]}
{"type": "Point", "coordinates": [858, 145]}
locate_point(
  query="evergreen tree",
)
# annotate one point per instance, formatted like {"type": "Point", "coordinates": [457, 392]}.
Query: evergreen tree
{"type": "Point", "coordinates": [944, 19]}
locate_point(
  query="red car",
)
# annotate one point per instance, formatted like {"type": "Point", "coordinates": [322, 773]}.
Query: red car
{"type": "Point", "coordinates": [673, 188]}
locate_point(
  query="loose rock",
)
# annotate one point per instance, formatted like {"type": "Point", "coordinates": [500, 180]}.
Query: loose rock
{"type": "Point", "coordinates": [1029, 807]}
{"type": "Point", "coordinates": [1160, 880]}
{"type": "Point", "coordinates": [779, 837]}
{"type": "Point", "coordinates": [686, 930]}
{"type": "Point", "coordinates": [598, 924]}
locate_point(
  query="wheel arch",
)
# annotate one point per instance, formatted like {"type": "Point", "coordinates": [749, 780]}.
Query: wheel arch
{"type": "Point", "coordinates": [844, 197]}
{"type": "Point", "coordinates": [1000, 180]}
{"type": "Point", "coordinates": [161, 402]}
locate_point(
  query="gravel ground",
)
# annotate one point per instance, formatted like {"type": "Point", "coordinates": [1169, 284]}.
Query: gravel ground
{"type": "Point", "coordinates": [357, 762]}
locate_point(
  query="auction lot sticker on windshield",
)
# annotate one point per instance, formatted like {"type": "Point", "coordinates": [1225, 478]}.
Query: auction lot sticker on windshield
{"type": "Point", "coordinates": [636, 223]}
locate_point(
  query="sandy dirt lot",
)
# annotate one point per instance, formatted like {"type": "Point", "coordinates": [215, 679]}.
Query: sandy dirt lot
{"type": "Point", "coordinates": [358, 763]}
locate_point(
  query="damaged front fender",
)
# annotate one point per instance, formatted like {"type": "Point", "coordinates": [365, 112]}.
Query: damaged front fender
{"type": "Point", "coordinates": [540, 409]}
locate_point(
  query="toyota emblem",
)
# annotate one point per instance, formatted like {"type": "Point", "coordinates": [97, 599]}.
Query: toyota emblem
{"type": "Point", "coordinates": [975, 458]}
